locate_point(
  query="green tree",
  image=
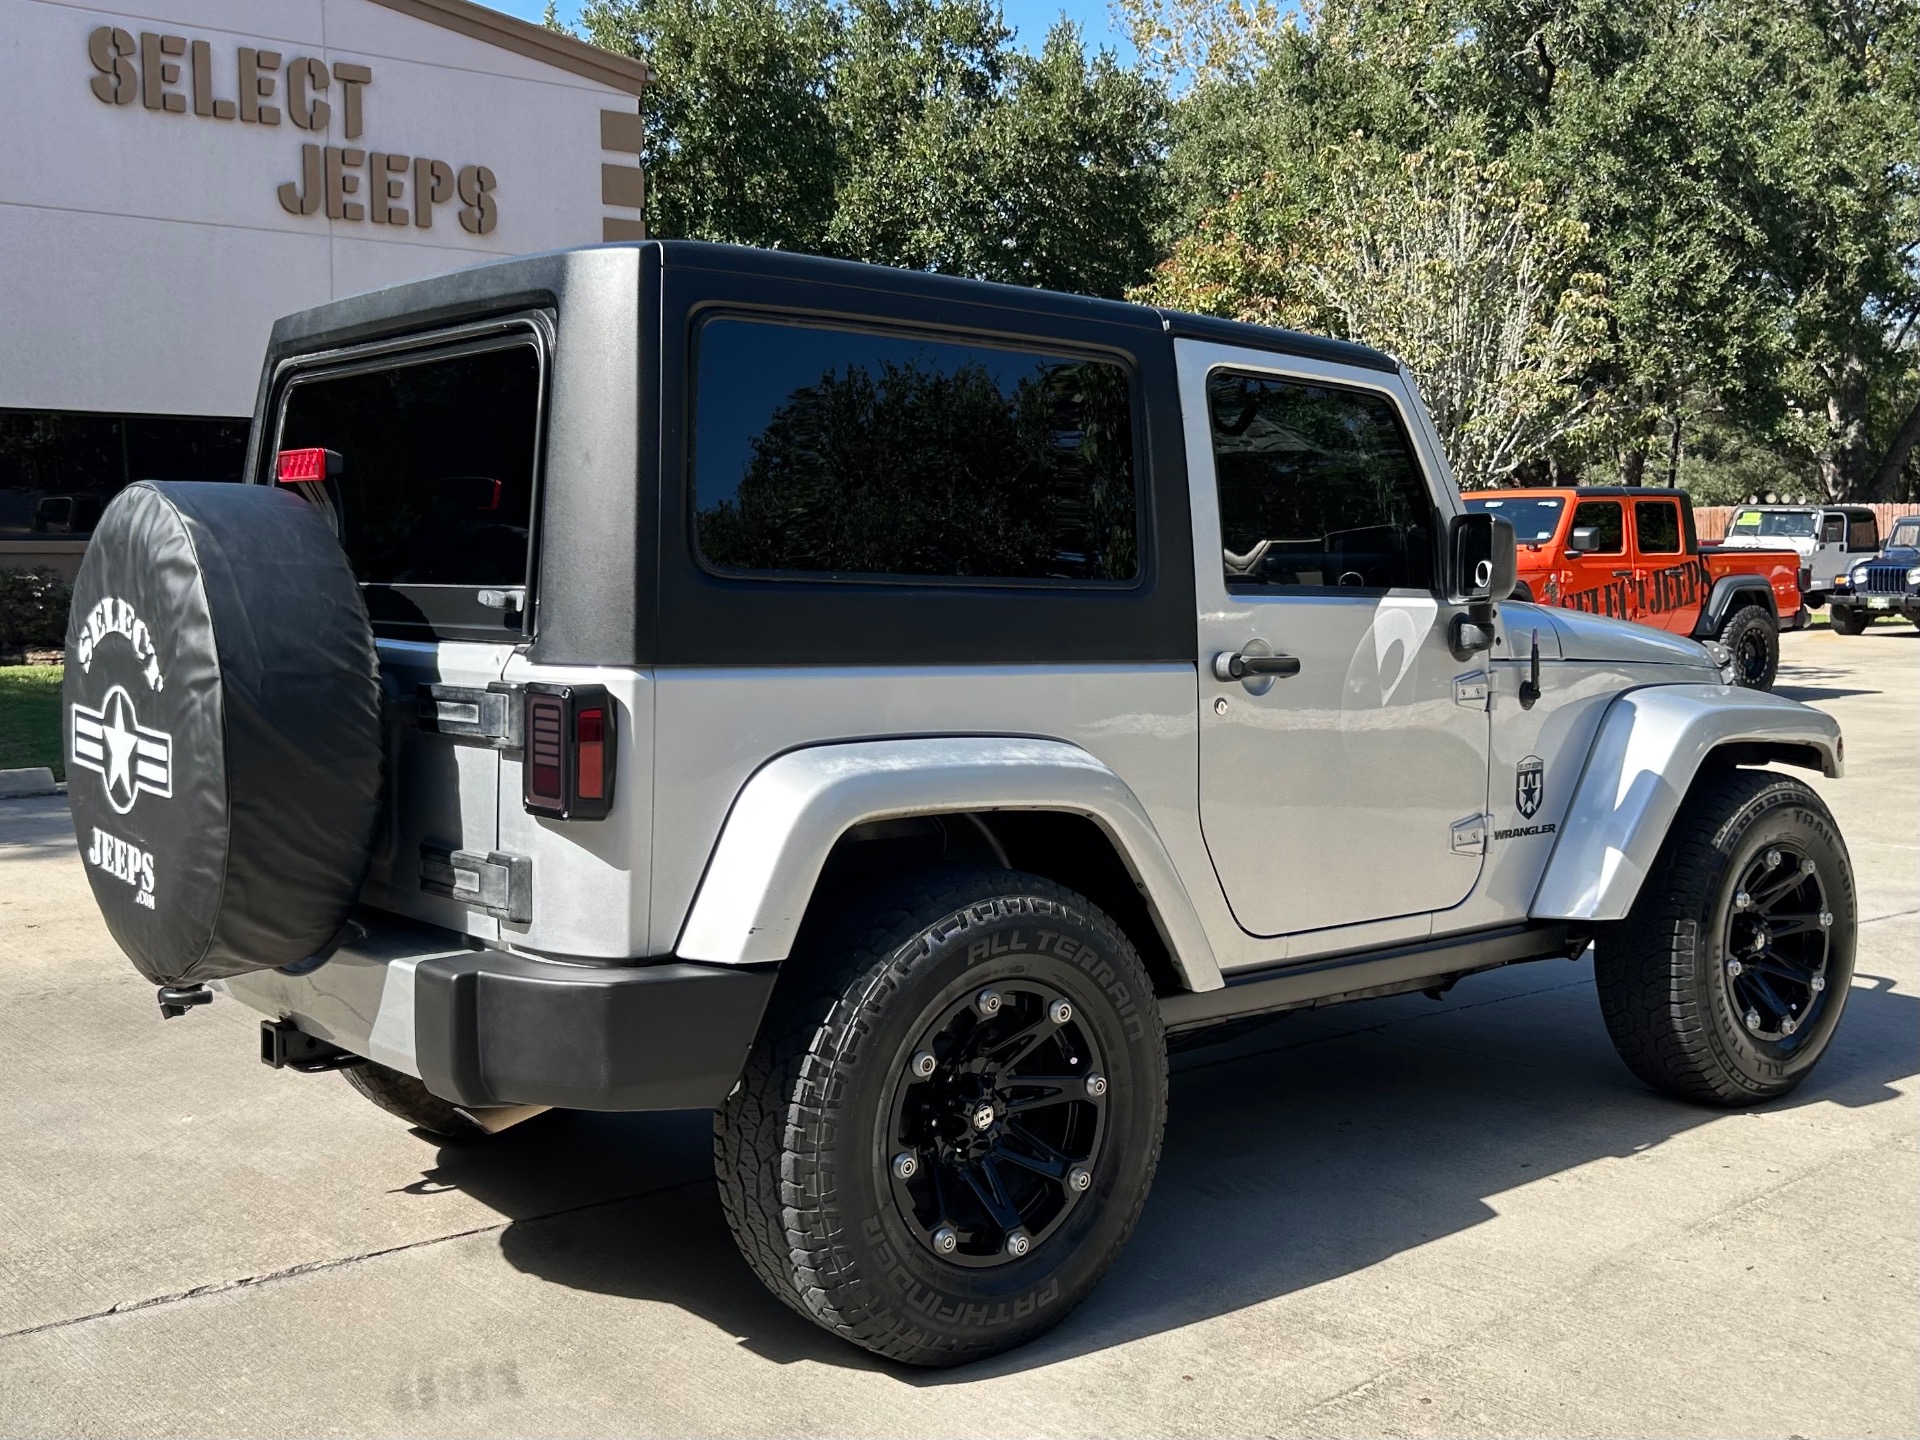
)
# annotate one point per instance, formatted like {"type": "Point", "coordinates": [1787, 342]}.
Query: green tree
{"type": "Point", "coordinates": [903, 132]}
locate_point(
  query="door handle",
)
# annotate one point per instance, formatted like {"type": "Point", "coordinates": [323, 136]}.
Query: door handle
{"type": "Point", "coordinates": [1229, 665]}
{"type": "Point", "coordinates": [1623, 574]}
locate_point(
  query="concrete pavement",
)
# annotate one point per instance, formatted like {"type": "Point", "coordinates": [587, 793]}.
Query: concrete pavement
{"type": "Point", "coordinates": [1401, 1217]}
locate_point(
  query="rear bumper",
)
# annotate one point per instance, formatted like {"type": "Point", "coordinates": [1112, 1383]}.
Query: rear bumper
{"type": "Point", "coordinates": [487, 1028]}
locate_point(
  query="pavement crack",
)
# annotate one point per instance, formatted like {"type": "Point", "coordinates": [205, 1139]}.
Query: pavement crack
{"type": "Point", "coordinates": [315, 1267]}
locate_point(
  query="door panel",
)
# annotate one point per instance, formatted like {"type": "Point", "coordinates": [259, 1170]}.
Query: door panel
{"type": "Point", "coordinates": [1599, 581]}
{"type": "Point", "coordinates": [1330, 796]}
{"type": "Point", "coordinates": [1666, 586]}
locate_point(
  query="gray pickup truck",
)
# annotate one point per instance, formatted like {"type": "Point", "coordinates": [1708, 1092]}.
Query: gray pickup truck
{"type": "Point", "coordinates": [888, 710]}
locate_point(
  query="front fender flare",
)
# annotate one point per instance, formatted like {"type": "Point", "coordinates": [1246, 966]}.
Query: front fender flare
{"type": "Point", "coordinates": [1651, 743]}
{"type": "Point", "coordinates": [791, 811]}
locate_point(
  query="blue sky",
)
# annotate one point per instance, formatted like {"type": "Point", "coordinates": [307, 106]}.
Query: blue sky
{"type": "Point", "coordinates": [1028, 18]}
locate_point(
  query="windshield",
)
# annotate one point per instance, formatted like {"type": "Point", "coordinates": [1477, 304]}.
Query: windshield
{"type": "Point", "coordinates": [1788, 523]}
{"type": "Point", "coordinates": [1533, 520]}
{"type": "Point", "coordinates": [1906, 536]}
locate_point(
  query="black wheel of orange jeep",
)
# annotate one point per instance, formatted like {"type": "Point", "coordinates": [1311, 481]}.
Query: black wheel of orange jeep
{"type": "Point", "coordinates": [951, 1119]}
{"type": "Point", "coordinates": [1846, 620]}
{"type": "Point", "coordinates": [1726, 981]}
{"type": "Point", "coordinates": [1751, 637]}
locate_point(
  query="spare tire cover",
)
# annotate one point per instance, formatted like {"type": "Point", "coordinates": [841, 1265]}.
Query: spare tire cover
{"type": "Point", "coordinates": [223, 734]}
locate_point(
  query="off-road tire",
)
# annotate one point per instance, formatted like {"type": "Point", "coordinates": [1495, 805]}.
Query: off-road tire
{"type": "Point", "coordinates": [801, 1149]}
{"type": "Point", "coordinates": [1750, 634]}
{"type": "Point", "coordinates": [401, 1095]}
{"type": "Point", "coordinates": [1846, 620]}
{"type": "Point", "coordinates": [1661, 972]}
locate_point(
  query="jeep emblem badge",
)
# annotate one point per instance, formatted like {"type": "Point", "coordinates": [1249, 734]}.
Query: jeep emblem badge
{"type": "Point", "coordinates": [1529, 785]}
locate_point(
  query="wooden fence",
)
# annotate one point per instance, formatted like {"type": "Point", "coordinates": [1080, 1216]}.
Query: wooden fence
{"type": "Point", "coordinates": [1714, 520]}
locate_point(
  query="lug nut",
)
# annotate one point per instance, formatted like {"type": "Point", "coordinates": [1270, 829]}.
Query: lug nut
{"type": "Point", "coordinates": [1734, 967]}
{"type": "Point", "coordinates": [1742, 900]}
{"type": "Point", "coordinates": [1080, 1178]}
{"type": "Point", "coordinates": [1018, 1243]}
{"type": "Point", "coordinates": [1096, 1084]}
{"type": "Point", "coordinates": [1826, 919]}
{"type": "Point", "coordinates": [1773, 859]}
{"type": "Point", "coordinates": [906, 1165]}
{"type": "Point", "coordinates": [1060, 1012]}
{"type": "Point", "coordinates": [1789, 1025]}
{"type": "Point", "coordinates": [1753, 1019]}
{"type": "Point", "coordinates": [945, 1241]}
{"type": "Point", "coordinates": [1817, 984]}
{"type": "Point", "coordinates": [987, 1002]}
{"type": "Point", "coordinates": [924, 1064]}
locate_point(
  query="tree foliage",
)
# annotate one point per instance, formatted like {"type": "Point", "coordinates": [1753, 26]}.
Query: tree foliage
{"type": "Point", "coordinates": [904, 132]}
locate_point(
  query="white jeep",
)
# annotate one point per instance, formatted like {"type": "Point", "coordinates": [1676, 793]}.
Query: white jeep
{"type": "Point", "coordinates": [887, 709]}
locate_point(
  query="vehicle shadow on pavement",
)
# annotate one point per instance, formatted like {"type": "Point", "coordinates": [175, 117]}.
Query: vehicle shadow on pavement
{"type": "Point", "coordinates": [1314, 1148]}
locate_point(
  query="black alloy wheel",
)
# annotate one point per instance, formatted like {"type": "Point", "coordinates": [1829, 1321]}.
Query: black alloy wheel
{"type": "Point", "coordinates": [949, 1122]}
{"type": "Point", "coordinates": [1727, 980]}
{"type": "Point", "coordinates": [1754, 643]}
{"type": "Point", "coordinates": [997, 1123]}
{"type": "Point", "coordinates": [1776, 945]}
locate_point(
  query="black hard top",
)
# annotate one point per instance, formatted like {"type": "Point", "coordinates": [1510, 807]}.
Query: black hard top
{"type": "Point", "coordinates": [338, 320]}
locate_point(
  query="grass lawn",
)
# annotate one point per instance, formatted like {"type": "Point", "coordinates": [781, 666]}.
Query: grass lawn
{"type": "Point", "coordinates": [30, 717]}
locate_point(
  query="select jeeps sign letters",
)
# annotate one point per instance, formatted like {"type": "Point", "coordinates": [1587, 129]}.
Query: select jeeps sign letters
{"type": "Point", "coordinates": [348, 182]}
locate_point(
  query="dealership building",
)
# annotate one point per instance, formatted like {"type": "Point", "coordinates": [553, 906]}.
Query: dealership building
{"type": "Point", "coordinates": [176, 174]}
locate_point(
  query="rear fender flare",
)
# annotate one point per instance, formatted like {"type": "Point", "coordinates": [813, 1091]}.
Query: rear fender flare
{"type": "Point", "coordinates": [1729, 592]}
{"type": "Point", "coordinates": [791, 811]}
{"type": "Point", "coordinates": [1650, 745]}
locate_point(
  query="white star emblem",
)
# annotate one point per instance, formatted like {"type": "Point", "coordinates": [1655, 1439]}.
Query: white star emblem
{"type": "Point", "coordinates": [120, 740]}
{"type": "Point", "coordinates": [128, 756]}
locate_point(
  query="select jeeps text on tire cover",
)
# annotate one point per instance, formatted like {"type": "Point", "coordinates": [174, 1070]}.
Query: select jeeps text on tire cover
{"type": "Point", "coordinates": [888, 709]}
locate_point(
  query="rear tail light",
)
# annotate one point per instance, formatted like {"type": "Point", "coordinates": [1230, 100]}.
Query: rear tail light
{"type": "Point", "coordinates": [307, 467]}
{"type": "Point", "coordinates": [569, 761]}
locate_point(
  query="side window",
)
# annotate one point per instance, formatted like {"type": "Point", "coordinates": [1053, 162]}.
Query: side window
{"type": "Point", "coordinates": [1604, 517]}
{"type": "Point", "coordinates": [438, 461]}
{"type": "Point", "coordinates": [1833, 530]}
{"type": "Point", "coordinates": [839, 453]}
{"type": "Point", "coordinates": [1656, 524]}
{"type": "Point", "coordinates": [1863, 533]}
{"type": "Point", "coordinates": [1318, 487]}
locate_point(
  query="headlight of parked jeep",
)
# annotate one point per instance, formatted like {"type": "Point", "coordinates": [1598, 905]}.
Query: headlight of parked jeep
{"type": "Point", "coordinates": [1913, 576]}
{"type": "Point", "coordinates": [1859, 573]}
{"type": "Point", "coordinates": [1722, 658]}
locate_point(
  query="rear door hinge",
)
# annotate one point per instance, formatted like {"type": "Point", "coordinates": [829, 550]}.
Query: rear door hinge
{"type": "Point", "coordinates": [500, 884]}
{"type": "Point", "coordinates": [1470, 835]}
{"type": "Point", "coordinates": [489, 717]}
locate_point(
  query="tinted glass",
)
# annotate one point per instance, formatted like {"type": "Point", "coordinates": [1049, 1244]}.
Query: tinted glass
{"type": "Point", "coordinates": [1656, 525]}
{"type": "Point", "coordinates": [1533, 521]}
{"type": "Point", "coordinates": [1833, 529]}
{"type": "Point", "coordinates": [58, 469]}
{"type": "Point", "coordinates": [1317, 487]}
{"type": "Point", "coordinates": [1609, 529]}
{"type": "Point", "coordinates": [436, 485]}
{"type": "Point", "coordinates": [1862, 533]}
{"type": "Point", "coordinates": [837, 452]}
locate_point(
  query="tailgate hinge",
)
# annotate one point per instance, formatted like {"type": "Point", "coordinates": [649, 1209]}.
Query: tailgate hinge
{"type": "Point", "coordinates": [489, 717]}
{"type": "Point", "coordinates": [500, 884]}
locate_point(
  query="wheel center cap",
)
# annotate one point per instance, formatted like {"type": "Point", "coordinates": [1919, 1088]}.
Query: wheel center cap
{"type": "Point", "coordinates": [983, 1116]}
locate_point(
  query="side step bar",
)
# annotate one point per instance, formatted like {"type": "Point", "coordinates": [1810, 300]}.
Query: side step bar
{"type": "Point", "coordinates": [1429, 965]}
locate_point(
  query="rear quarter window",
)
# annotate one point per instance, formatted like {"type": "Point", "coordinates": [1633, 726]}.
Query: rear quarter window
{"type": "Point", "coordinates": [839, 453]}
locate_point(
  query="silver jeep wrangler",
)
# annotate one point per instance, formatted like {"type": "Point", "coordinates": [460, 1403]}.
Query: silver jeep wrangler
{"type": "Point", "coordinates": [888, 710]}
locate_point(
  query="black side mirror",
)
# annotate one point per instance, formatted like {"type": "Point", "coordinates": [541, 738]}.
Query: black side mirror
{"type": "Point", "coordinates": [1485, 558]}
{"type": "Point", "coordinates": [1584, 540]}
{"type": "Point", "coordinates": [1484, 563]}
